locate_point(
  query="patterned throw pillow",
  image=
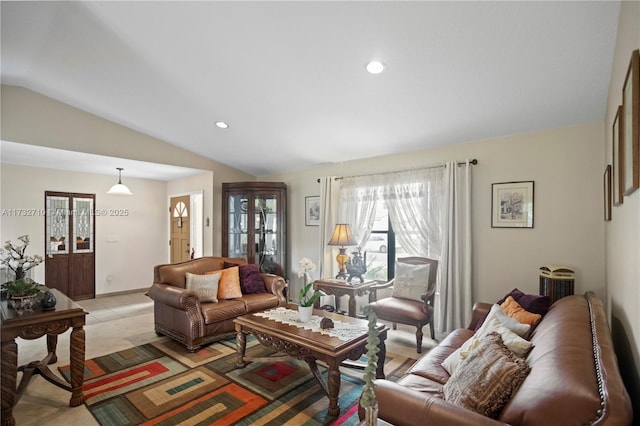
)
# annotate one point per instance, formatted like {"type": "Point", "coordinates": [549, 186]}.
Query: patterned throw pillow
{"type": "Point", "coordinates": [229, 285]}
{"type": "Point", "coordinates": [517, 312]}
{"type": "Point", "coordinates": [411, 281]}
{"type": "Point", "coordinates": [487, 379]}
{"type": "Point", "coordinates": [205, 286]}
{"type": "Point", "coordinates": [251, 281]}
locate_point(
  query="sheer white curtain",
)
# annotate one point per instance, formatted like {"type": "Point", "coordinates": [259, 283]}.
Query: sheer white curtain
{"type": "Point", "coordinates": [358, 199]}
{"type": "Point", "coordinates": [429, 210]}
{"type": "Point", "coordinates": [329, 204]}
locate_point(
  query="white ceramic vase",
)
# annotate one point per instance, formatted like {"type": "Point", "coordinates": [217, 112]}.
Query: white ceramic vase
{"type": "Point", "coordinates": [304, 313]}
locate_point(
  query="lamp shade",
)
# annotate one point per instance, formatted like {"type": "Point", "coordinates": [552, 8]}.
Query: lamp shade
{"type": "Point", "coordinates": [342, 236]}
{"type": "Point", "coordinates": [119, 188]}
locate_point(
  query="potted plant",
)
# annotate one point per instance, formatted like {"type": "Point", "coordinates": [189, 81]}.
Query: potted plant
{"type": "Point", "coordinates": [368, 398]}
{"type": "Point", "coordinates": [21, 291]}
{"type": "Point", "coordinates": [307, 296]}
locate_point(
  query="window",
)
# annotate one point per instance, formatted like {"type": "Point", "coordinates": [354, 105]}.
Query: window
{"type": "Point", "coordinates": [381, 247]}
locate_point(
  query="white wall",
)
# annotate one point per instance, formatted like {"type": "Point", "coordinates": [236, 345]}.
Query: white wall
{"type": "Point", "coordinates": [623, 232]}
{"type": "Point", "coordinates": [568, 225]}
{"type": "Point", "coordinates": [127, 247]}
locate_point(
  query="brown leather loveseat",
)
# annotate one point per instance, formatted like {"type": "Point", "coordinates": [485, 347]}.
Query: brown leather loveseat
{"type": "Point", "coordinates": [573, 379]}
{"type": "Point", "coordinates": [179, 313]}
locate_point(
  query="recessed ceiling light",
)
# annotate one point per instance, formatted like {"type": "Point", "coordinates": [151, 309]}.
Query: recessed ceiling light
{"type": "Point", "coordinates": [375, 67]}
{"type": "Point", "coordinates": [222, 124]}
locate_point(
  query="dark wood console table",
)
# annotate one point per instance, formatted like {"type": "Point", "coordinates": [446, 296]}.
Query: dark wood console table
{"type": "Point", "coordinates": [33, 325]}
{"type": "Point", "coordinates": [341, 288]}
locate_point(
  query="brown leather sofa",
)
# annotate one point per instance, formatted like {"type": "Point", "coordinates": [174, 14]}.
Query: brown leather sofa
{"type": "Point", "coordinates": [179, 314]}
{"type": "Point", "coordinates": [574, 377]}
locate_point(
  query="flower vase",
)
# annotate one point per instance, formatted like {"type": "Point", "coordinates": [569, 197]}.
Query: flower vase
{"type": "Point", "coordinates": [304, 313]}
{"type": "Point", "coordinates": [22, 304]}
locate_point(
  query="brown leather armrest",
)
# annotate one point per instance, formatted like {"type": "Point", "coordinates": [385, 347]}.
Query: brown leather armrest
{"type": "Point", "coordinates": [275, 284]}
{"type": "Point", "coordinates": [480, 311]}
{"type": "Point", "coordinates": [396, 401]}
{"type": "Point", "coordinates": [173, 296]}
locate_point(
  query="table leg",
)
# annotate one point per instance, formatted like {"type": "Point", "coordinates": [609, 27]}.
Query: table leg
{"type": "Point", "coordinates": [241, 346]}
{"type": "Point", "coordinates": [52, 345]}
{"type": "Point", "coordinates": [77, 365]}
{"type": "Point", "coordinates": [352, 305]}
{"type": "Point", "coordinates": [9, 365]}
{"type": "Point", "coordinates": [334, 388]}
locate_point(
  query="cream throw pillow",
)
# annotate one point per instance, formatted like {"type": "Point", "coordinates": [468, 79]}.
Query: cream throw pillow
{"type": "Point", "coordinates": [511, 340]}
{"type": "Point", "coordinates": [205, 286]}
{"type": "Point", "coordinates": [411, 281]}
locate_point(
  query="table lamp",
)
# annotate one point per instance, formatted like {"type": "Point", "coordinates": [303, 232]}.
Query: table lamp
{"type": "Point", "coordinates": [342, 237]}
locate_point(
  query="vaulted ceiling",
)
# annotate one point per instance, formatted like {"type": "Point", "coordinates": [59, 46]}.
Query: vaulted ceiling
{"type": "Point", "coordinates": [289, 77]}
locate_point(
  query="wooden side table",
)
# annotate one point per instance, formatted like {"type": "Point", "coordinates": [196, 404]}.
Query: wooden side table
{"type": "Point", "coordinates": [341, 288]}
{"type": "Point", "coordinates": [33, 325]}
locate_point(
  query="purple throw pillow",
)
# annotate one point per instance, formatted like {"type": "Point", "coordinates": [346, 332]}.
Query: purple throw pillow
{"type": "Point", "coordinates": [530, 302]}
{"type": "Point", "coordinates": [251, 281]}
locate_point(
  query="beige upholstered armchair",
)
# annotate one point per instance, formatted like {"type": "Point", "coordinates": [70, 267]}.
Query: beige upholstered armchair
{"type": "Point", "coordinates": [411, 302]}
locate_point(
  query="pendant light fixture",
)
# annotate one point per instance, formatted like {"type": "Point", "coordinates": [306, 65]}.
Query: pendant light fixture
{"type": "Point", "coordinates": [119, 188]}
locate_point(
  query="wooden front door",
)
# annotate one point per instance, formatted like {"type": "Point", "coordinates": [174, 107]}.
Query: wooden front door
{"type": "Point", "coordinates": [70, 243]}
{"type": "Point", "coordinates": [180, 229]}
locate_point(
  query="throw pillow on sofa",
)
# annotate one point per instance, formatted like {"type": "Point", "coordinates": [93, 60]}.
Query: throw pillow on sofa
{"type": "Point", "coordinates": [487, 379]}
{"type": "Point", "coordinates": [205, 286]}
{"type": "Point", "coordinates": [411, 281]}
{"type": "Point", "coordinates": [530, 302]}
{"type": "Point", "coordinates": [229, 285]}
{"type": "Point", "coordinates": [514, 310]}
{"type": "Point", "coordinates": [251, 281]}
{"type": "Point", "coordinates": [492, 324]}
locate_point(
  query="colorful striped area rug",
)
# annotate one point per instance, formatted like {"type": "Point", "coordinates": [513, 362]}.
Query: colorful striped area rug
{"type": "Point", "coordinates": [161, 383]}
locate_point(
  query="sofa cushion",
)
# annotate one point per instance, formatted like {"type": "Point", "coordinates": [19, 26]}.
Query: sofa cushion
{"type": "Point", "coordinates": [486, 380]}
{"type": "Point", "coordinates": [205, 286]}
{"type": "Point", "coordinates": [259, 301]}
{"type": "Point", "coordinates": [430, 365]}
{"type": "Point", "coordinates": [229, 285]}
{"type": "Point", "coordinates": [251, 281]}
{"type": "Point", "coordinates": [411, 281]}
{"type": "Point", "coordinates": [531, 302]}
{"type": "Point", "coordinates": [223, 310]}
{"type": "Point", "coordinates": [514, 310]}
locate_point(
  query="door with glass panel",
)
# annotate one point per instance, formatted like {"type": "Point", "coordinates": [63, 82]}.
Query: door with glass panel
{"type": "Point", "coordinates": [70, 243]}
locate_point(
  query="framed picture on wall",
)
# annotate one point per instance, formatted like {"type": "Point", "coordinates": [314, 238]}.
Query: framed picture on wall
{"type": "Point", "coordinates": [630, 123]}
{"type": "Point", "coordinates": [617, 171]}
{"type": "Point", "coordinates": [607, 193]}
{"type": "Point", "coordinates": [312, 211]}
{"type": "Point", "coordinates": [512, 205]}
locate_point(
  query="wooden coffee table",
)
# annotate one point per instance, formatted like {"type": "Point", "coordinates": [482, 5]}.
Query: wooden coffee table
{"type": "Point", "coordinates": [311, 346]}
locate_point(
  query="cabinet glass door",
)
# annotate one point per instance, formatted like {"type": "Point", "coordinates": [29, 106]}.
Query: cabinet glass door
{"type": "Point", "coordinates": [266, 232]}
{"type": "Point", "coordinates": [238, 221]}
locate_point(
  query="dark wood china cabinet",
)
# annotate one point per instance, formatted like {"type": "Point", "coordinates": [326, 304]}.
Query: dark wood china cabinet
{"type": "Point", "coordinates": [254, 223]}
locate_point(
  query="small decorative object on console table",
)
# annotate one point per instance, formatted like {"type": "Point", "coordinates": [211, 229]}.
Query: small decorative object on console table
{"type": "Point", "coordinates": [307, 296]}
{"type": "Point", "coordinates": [22, 291]}
{"type": "Point", "coordinates": [368, 398]}
{"type": "Point", "coordinates": [357, 265]}
{"type": "Point", "coordinates": [342, 237]}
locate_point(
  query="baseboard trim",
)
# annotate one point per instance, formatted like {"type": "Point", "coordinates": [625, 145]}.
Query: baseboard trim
{"type": "Point", "coordinates": [118, 293]}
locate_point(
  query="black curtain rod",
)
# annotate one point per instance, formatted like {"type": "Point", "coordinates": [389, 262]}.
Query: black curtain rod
{"type": "Point", "coordinates": [464, 163]}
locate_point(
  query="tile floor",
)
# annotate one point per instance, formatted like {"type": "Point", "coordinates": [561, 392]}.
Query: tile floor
{"type": "Point", "coordinates": [115, 323]}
